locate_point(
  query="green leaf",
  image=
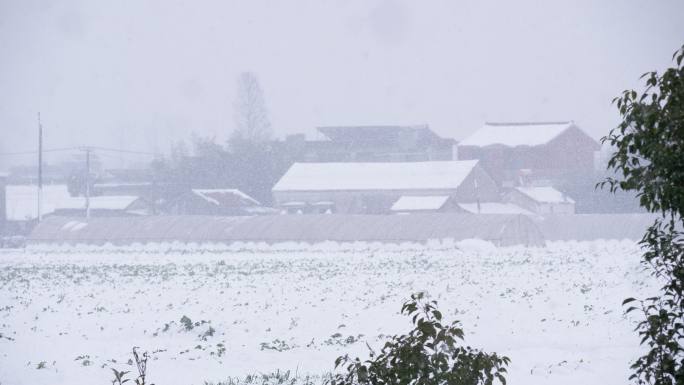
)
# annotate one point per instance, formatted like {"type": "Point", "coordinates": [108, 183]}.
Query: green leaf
{"type": "Point", "coordinates": [437, 314]}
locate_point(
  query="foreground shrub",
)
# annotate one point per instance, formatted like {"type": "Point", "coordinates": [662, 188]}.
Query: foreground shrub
{"type": "Point", "coordinates": [429, 355]}
{"type": "Point", "coordinates": [649, 160]}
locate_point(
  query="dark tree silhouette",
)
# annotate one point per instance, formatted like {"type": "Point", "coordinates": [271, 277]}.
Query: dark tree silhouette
{"type": "Point", "coordinates": [649, 159]}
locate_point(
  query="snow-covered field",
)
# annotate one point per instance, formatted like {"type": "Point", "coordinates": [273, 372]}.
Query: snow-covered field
{"type": "Point", "coordinates": [67, 317]}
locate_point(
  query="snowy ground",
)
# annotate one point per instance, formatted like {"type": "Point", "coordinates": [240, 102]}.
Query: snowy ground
{"type": "Point", "coordinates": [68, 317]}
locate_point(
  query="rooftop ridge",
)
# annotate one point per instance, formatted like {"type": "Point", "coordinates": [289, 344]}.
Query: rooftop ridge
{"type": "Point", "coordinates": [460, 161]}
{"type": "Point", "coordinates": [527, 123]}
{"type": "Point", "coordinates": [421, 125]}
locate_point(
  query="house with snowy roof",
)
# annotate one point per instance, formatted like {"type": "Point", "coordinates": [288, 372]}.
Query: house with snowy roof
{"type": "Point", "coordinates": [549, 150]}
{"type": "Point", "coordinates": [21, 203]}
{"type": "Point", "coordinates": [374, 187]}
{"type": "Point", "coordinates": [19, 206]}
{"type": "Point", "coordinates": [542, 200]}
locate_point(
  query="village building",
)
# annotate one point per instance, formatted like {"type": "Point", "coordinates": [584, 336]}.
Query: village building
{"type": "Point", "coordinates": [374, 187]}
{"type": "Point", "coordinates": [104, 206]}
{"type": "Point", "coordinates": [494, 208]}
{"type": "Point", "coordinates": [221, 202]}
{"type": "Point", "coordinates": [541, 200]}
{"type": "Point", "coordinates": [20, 206]}
{"type": "Point", "coordinates": [370, 144]}
{"type": "Point", "coordinates": [145, 189]}
{"type": "Point", "coordinates": [424, 204]}
{"type": "Point", "coordinates": [446, 204]}
{"type": "Point", "coordinates": [548, 151]}
{"type": "Point", "coordinates": [320, 207]}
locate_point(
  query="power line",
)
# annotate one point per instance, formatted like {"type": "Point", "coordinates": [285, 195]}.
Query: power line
{"type": "Point", "coordinates": [35, 151]}
{"type": "Point", "coordinates": [107, 155]}
{"type": "Point", "coordinates": [124, 151]}
{"type": "Point", "coordinates": [84, 148]}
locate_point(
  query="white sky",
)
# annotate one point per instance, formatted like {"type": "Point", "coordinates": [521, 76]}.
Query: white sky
{"type": "Point", "coordinates": [137, 74]}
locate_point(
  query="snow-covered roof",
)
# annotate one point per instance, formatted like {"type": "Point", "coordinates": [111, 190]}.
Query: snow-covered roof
{"type": "Point", "coordinates": [226, 197]}
{"type": "Point", "coordinates": [418, 203]}
{"type": "Point", "coordinates": [515, 134]}
{"type": "Point", "coordinates": [545, 194]}
{"type": "Point", "coordinates": [375, 176]}
{"type": "Point", "coordinates": [494, 208]}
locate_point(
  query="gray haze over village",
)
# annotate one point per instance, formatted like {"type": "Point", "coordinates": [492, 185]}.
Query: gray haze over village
{"type": "Point", "coordinates": [341, 192]}
{"type": "Point", "coordinates": [140, 75]}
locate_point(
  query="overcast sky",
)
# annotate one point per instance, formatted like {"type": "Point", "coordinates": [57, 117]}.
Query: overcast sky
{"type": "Point", "coordinates": [139, 74]}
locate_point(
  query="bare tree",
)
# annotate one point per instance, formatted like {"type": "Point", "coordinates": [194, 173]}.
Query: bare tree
{"type": "Point", "coordinates": [251, 115]}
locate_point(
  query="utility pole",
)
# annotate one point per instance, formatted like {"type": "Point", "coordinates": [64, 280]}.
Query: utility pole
{"type": "Point", "coordinates": [477, 196]}
{"type": "Point", "coordinates": [87, 183]}
{"type": "Point", "coordinates": [40, 169]}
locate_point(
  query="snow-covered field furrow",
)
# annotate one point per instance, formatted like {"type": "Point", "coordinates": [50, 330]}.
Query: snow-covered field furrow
{"type": "Point", "coordinates": [207, 315]}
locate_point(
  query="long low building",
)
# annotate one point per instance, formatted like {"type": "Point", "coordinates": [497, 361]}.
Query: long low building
{"type": "Point", "coordinates": [588, 227]}
{"type": "Point", "coordinates": [501, 230]}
